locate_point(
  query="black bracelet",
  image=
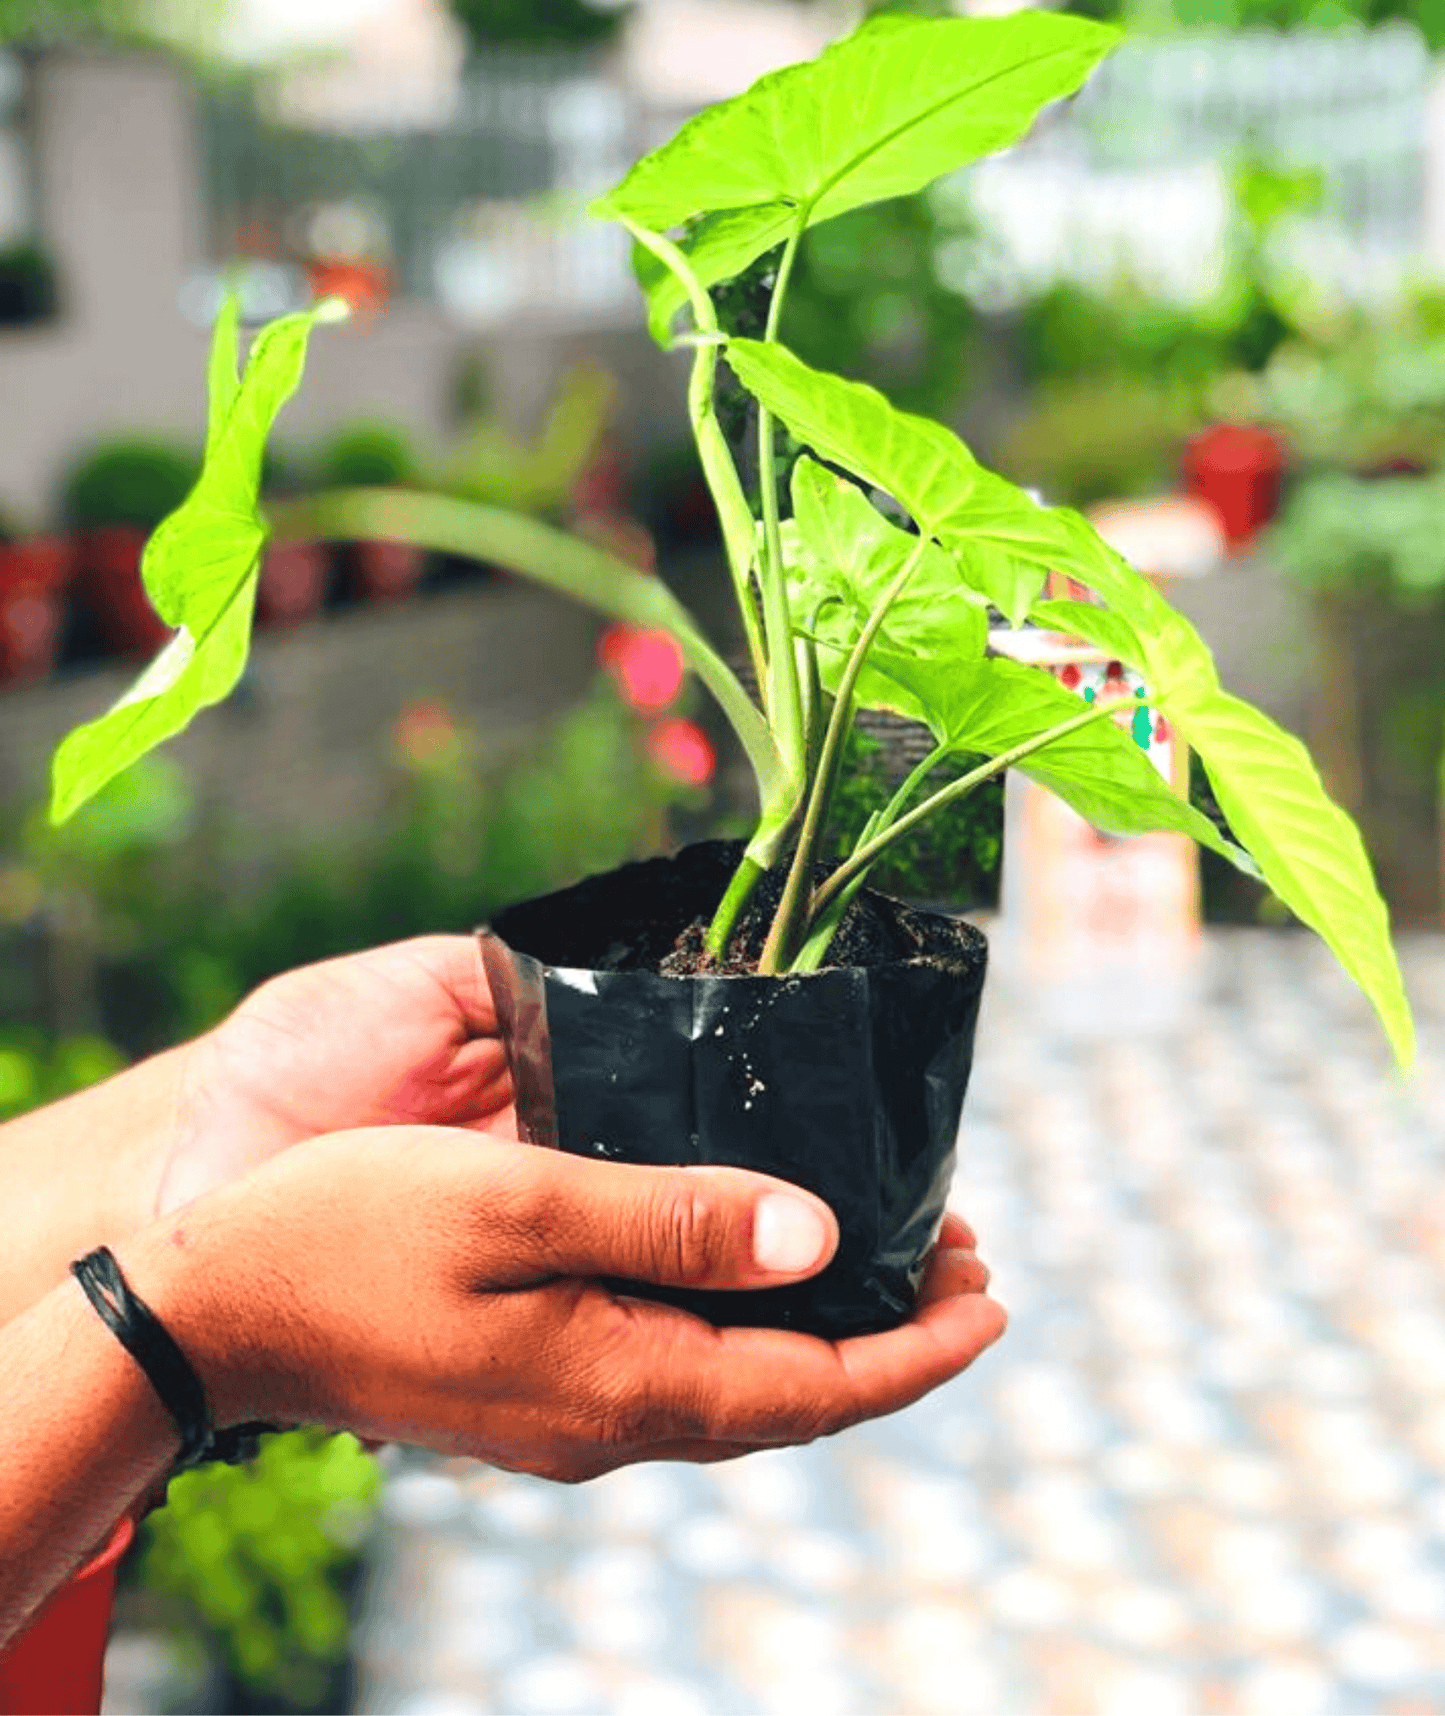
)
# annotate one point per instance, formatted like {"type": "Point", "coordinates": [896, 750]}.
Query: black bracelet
{"type": "Point", "coordinates": [167, 1368]}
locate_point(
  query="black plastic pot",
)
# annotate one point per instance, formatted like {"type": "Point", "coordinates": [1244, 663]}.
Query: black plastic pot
{"type": "Point", "coordinates": [848, 1081]}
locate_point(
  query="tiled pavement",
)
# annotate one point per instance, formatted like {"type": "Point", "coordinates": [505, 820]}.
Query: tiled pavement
{"type": "Point", "coordinates": [1204, 1472]}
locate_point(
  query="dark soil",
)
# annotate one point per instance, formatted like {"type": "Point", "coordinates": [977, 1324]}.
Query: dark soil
{"type": "Point", "coordinates": [653, 916]}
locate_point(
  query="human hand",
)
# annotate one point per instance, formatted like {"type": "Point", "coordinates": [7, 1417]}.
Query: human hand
{"type": "Point", "coordinates": [400, 1034]}
{"type": "Point", "coordinates": [424, 1285]}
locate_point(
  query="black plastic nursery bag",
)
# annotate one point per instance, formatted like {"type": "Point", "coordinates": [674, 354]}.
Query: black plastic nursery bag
{"type": "Point", "coordinates": [847, 1081]}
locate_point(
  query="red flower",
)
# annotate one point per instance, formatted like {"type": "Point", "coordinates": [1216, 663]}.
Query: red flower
{"type": "Point", "coordinates": [647, 665]}
{"type": "Point", "coordinates": [683, 750]}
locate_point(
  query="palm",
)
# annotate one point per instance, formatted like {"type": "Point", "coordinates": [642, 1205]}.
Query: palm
{"type": "Point", "coordinates": [404, 1034]}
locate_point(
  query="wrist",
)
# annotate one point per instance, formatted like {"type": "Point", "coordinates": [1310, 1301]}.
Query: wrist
{"type": "Point", "coordinates": [185, 1272]}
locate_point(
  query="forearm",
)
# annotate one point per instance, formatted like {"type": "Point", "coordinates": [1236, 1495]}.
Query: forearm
{"type": "Point", "coordinates": [82, 1438]}
{"type": "Point", "coordinates": [82, 1173]}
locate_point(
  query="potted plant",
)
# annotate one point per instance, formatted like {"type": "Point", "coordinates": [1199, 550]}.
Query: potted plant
{"type": "Point", "coordinates": [745, 1004]}
{"type": "Point", "coordinates": [112, 500]}
{"type": "Point", "coordinates": [34, 571]}
{"type": "Point", "coordinates": [28, 293]}
{"type": "Point", "coordinates": [366, 455]}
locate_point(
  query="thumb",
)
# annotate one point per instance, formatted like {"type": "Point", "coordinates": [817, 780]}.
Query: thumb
{"type": "Point", "coordinates": [678, 1227]}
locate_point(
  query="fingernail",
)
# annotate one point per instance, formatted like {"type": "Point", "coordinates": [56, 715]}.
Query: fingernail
{"type": "Point", "coordinates": [788, 1235]}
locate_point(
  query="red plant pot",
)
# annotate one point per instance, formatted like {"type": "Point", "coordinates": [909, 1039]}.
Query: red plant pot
{"type": "Point", "coordinates": [385, 571]}
{"type": "Point", "coordinates": [366, 286]}
{"type": "Point", "coordinates": [1237, 470]}
{"type": "Point", "coordinates": [33, 576]}
{"type": "Point", "coordinates": [293, 583]}
{"type": "Point", "coordinates": [56, 1667]}
{"type": "Point", "coordinates": [110, 577]}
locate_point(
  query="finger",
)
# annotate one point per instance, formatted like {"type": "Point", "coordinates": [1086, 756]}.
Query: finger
{"type": "Point", "coordinates": [955, 1234]}
{"type": "Point", "coordinates": [679, 1227]}
{"type": "Point", "coordinates": [454, 963]}
{"type": "Point", "coordinates": [941, 1339]}
{"type": "Point", "coordinates": [950, 1273]}
{"type": "Point", "coordinates": [772, 1386]}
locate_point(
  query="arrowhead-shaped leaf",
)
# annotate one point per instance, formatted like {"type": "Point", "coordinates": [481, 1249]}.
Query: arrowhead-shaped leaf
{"type": "Point", "coordinates": [1310, 851]}
{"type": "Point", "coordinates": [841, 556]}
{"type": "Point", "coordinates": [990, 707]}
{"type": "Point", "coordinates": [200, 566]}
{"type": "Point", "coordinates": [882, 113]}
{"type": "Point", "coordinates": [1004, 542]}
{"type": "Point", "coordinates": [1307, 848]}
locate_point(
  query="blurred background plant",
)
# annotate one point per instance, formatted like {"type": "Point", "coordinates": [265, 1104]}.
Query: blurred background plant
{"type": "Point", "coordinates": [257, 1565]}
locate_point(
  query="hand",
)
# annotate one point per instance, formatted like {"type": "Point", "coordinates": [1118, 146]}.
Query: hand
{"type": "Point", "coordinates": [436, 1287]}
{"type": "Point", "coordinates": [402, 1034]}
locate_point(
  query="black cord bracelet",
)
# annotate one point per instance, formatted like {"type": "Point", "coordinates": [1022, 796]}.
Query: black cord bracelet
{"type": "Point", "coordinates": [167, 1368]}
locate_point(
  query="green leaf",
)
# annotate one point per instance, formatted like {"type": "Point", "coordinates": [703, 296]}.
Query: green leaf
{"type": "Point", "coordinates": [1111, 632]}
{"type": "Point", "coordinates": [1310, 851]}
{"type": "Point", "coordinates": [200, 566]}
{"type": "Point", "coordinates": [993, 706]}
{"type": "Point", "coordinates": [1004, 542]}
{"type": "Point", "coordinates": [841, 554]}
{"type": "Point", "coordinates": [882, 113]}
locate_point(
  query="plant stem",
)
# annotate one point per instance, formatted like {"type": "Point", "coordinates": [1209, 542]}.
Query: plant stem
{"type": "Point", "coordinates": [551, 557]}
{"type": "Point", "coordinates": [734, 514]}
{"type": "Point", "coordinates": [784, 696]}
{"type": "Point", "coordinates": [720, 930]}
{"type": "Point", "coordinates": [906, 791]}
{"type": "Point", "coordinates": [791, 909]}
{"type": "Point", "coordinates": [871, 848]}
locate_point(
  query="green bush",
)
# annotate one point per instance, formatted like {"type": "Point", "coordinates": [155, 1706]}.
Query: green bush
{"type": "Point", "coordinates": [954, 857]}
{"type": "Point", "coordinates": [259, 1558]}
{"type": "Point", "coordinates": [36, 1068]}
{"type": "Point", "coordinates": [134, 482]}
{"type": "Point", "coordinates": [367, 455]}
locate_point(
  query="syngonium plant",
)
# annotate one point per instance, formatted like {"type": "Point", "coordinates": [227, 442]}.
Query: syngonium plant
{"type": "Point", "coordinates": [875, 592]}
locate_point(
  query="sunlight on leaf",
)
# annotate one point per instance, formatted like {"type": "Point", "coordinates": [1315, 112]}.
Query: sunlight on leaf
{"type": "Point", "coordinates": [841, 554]}
{"type": "Point", "coordinates": [201, 564]}
{"type": "Point", "coordinates": [882, 113]}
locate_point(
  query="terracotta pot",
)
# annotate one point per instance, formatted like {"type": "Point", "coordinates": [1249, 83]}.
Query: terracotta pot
{"type": "Point", "coordinates": [366, 286]}
{"type": "Point", "coordinates": [293, 583]}
{"type": "Point", "coordinates": [33, 576]}
{"type": "Point", "coordinates": [109, 558]}
{"type": "Point", "coordinates": [1236, 469]}
{"type": "Point", "coordinates": [57, 1665]}
{"type": "Point", "coordinates": [385, 571]}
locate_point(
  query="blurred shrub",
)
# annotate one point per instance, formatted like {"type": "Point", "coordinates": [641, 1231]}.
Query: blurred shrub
{"type": "Point", "coordinates": [134, 482]}
{"type": "Point", "coordinates": [1093, 439]}
{"type": "Point", "coordinates": [1428, 16]}
{"type": "Point", "coordinates": [367, 455]}
{"type": "Point", "coordinates": [868, 300]}
{"type": "Point", "coordinates": [535, 23]}
{"type": "Point", "coordinates": [1381, 537]}
{"type": "Point", "coordinates": [1361, 392]}
{"type": "Point", "coordinates": [28, 290]}
{"type": "Point", "coordinates": [955, 856]}
{"type": "Point", "coordinates": [171, 952]}
{"type": "Point", "coordinates": [36, 1068]}
{"type": "Point", "coordinates": [259, 1559]}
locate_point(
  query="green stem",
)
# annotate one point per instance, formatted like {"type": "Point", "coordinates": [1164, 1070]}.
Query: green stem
{"type": "Point", "coordinates": [785, 703]}
{"type": "Point", "coordinates": [870, 849]}
{"type": "Point", "coordinates": [551, 557]}
{"type": "Point", "coordinates": [734, 514]}
{"type": "Point", "coordinates": [910, 786]}
{"type": "Point", "coordinates": [720, 930]}
{"type": "Point", "coordinates": [778, 948]}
